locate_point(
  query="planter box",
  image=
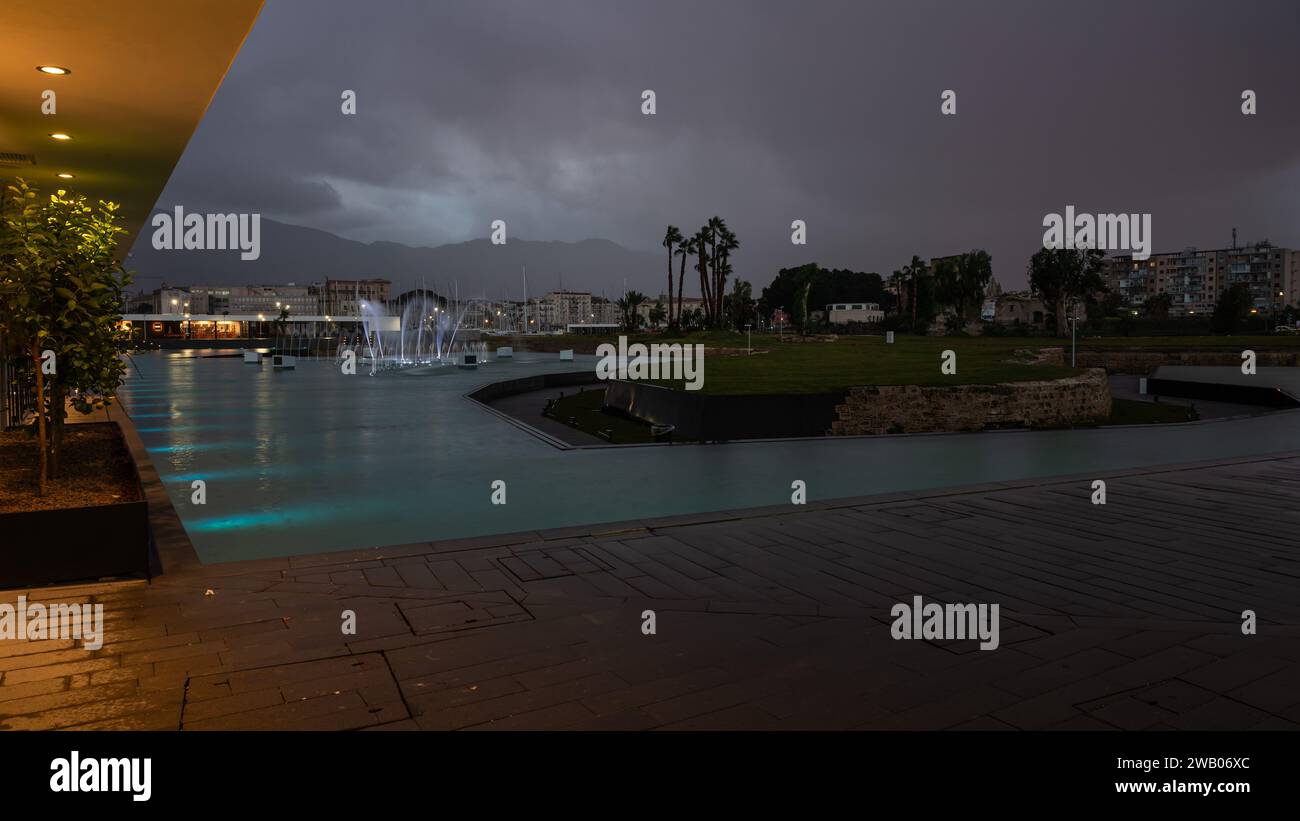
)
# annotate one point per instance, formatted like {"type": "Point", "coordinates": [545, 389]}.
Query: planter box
{"type": "Point", "coordinates": [40, 547]}
{"type": "Point", "coordinates": [721, 418]}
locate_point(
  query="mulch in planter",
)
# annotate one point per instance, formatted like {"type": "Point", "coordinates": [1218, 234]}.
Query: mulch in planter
{"type": "Point", "coordinates": [96, 470]}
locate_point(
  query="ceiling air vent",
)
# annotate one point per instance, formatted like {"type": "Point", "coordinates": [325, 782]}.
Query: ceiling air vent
{"type": "Point", "coordinates": [11, 159]}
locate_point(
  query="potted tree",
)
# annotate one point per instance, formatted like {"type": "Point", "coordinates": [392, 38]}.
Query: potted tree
{"type": "Point", "coordinates": [60, 310]}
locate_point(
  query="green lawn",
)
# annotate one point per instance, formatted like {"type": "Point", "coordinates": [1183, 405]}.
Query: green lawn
{"type": "Point", "coordinates": [827, 367]}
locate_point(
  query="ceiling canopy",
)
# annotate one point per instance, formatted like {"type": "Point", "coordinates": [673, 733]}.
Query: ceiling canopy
{"type": "Point", "coordinates": [140, 75]}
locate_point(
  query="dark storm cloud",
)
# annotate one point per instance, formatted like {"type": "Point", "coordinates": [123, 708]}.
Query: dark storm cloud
{"type": "Point", "coordinates": [823, 111]}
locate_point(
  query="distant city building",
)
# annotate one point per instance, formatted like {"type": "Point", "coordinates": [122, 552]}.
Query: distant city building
{"type": "Point", "coordinates": [172, 301]}
{"type": "Point", "coordinates": [841, 313]}
{"type": "Point", "coordinates": [342, 297]}
{"type": "Point", "coordinates": [272, 299]}
{"type": "Point", "coordinates": [566, 307]}
{"type": "Point", "coordinates": [210, 300]}
{"type": "Point", "coordinates": [689, 304]}
{"type": "Point", "coordinates": [1018, 308]}
{"type": "Point", "coordinates": [237, 299]}
{"type": "Point", "coordinates": [1195, 279]}
{"type": "Point", "coordinates": [643, 310]}
{"type": "Point", "coordinates": [604, 311]}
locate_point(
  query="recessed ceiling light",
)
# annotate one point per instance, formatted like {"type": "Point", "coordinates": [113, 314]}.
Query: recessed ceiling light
{"type": "Point", "coordinates": [59, 135]}
{"type": "Point", "coordinates": [53, 70]}
{"type": "Point", "coordinates": [65, 176]}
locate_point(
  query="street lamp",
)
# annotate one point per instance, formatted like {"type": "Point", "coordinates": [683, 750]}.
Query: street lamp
{"type": "Point", "coordinates": [1074, 329]}
{"type": "Point", "coordinates": [748, 339]}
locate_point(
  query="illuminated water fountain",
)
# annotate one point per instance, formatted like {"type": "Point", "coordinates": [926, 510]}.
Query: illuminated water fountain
{"type": "Point", "coordinates": [423, 334]}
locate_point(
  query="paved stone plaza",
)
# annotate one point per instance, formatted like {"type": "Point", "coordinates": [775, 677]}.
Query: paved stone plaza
{"type": "Point", "coordinates": [1125, 615]}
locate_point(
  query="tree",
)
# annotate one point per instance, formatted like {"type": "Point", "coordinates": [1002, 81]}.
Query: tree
{"type": "Point", "coordinates": [657, 314]}
{"type": "Point", "coordinates": [1157, 306]}
{"type": "Point", "coordinates": [917, 271]}
{"type": "Point", "coordinates": [671, 237]}
{"type": "Point", "coordinates": [804, 278]}
{"type": "Point", "coordinates": [1111, 304]}
{"type": "Point", "coordinates": [828, 286]}
{"type": "Point", "coordinates": [701, 246]}
{"type": "Point", "coordinates": [712, 247]}
{"type": "Point", "coordinates": [281, 324]}
{"type": "Point", "coordinates": [1233, 308]}
{"type": "Point", "coordinates": [960, 283]}
{"type": "Point", "coordinates": [685, 249]}
{"type": "Point", "coordinates": [727, 243]}
{"type": "Point", "coordinates": [740, 304]}
{"type": "Point", "coordinates": [1059, 276]}
{"type": "Point", "coordinates": [627, 306]}
{"type": "Point", "coordinates": [61, 291]}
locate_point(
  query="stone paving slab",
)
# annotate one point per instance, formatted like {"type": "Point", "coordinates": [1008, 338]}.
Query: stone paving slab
{"type": "Point", "coordinates": [1118, 616]}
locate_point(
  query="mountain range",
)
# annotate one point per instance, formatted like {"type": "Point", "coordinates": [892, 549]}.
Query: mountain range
{"type": "Point", "coordinates": [301, 255]}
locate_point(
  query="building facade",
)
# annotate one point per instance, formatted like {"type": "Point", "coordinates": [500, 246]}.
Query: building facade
{"type": "Point", "coordinates": [344, 297]}
{"type": "Point", "coordinates": [1018, 308]}
{"type": "Point", "coordinates": [1194, 279]}
{"type": "Point", "coordinates": [842, 313]}
{"type": "Point", "coordinates": [562, 308]}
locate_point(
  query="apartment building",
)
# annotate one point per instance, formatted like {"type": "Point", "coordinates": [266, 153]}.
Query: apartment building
{"type": "Point", "coordinates": [1194, 279]}
{"type": "Point", "coordinates": [604, 311]}
{"type": "Point", "coordinates": [343, 297]}
{"type": "Point", "coordinates": [561, 308]}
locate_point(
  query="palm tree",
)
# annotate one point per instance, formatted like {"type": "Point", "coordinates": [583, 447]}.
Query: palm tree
{"type": "Point", "coordinates": [657, 314]}
{"type": "Point", "coordinates": [727, 243]}
{"type": "Point", "coordinates": [715, 227]}
{"type": "Point", "coordinates": [915, 270]}
{"type": "Point", "coordinates": [671, 237]}
{"type": "Point", "coordinates": [685, 248]}
{"type": "Point", "coordinates": [281, 325]}
{"type": "Point", "coordinates": [701, 241]}
{"type": "Point", "coordinates": [627, 305]}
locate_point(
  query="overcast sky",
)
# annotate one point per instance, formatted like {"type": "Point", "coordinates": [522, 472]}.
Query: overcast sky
{"type": "Point", "coordinates": [530, 112]}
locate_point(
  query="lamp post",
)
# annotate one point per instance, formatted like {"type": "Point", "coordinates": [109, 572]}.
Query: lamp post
{"type": "Point", "coordinates": [749, 346]}
{"type": "Point", "coordinates": [1074, 330]}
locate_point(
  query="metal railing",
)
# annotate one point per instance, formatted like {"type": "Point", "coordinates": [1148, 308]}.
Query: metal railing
{"type": "Point", "coordinates": [16, 392]}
